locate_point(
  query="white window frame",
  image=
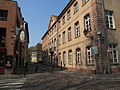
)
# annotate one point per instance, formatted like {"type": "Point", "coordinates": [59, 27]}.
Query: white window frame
{"type": "Point", "coordinates": [64, 37]}
{"type": "Point", "coordinates": [68, 15]}
{"type": "Point", "coordinates": [59, 61]}
{"type": "Point", "coordinates": [87, 23]}
{"type": "Point", "coordinates": [64, 58]}
{"type": "Point", "coordinates": [85, 1]}
{"type": "Point", "coordinates": [59, 24]}
{"type": "Point", "coordinates": [77, 29]}
{"type": "Point", "coordinates": [63, 20]}
{"type": "Point", "coordinates": [55, 42]}
{"type": "Point", "coordinates": [110, 22]}
{"type": "Point", "coordinates": [70, 57]}
{"type": "Point", "coordinates": [78, 56]}
{"type": "Point", "coordinates": [114, 48]}
{"type": "Point", "coordinates": [89, 56]}
{"type": "Point", "coordinates": [69, 34]}
{"type": "Point", "coordinates": [76, 7]}
{"type": "Point", "coordinates": [59, 39]}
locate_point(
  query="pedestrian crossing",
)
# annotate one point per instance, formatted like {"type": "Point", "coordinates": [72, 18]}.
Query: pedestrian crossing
{"type": "Point", "coordinates": [12, 84]}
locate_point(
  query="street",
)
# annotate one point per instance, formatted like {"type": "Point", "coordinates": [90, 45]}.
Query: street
{"type": "Point", "coordinates": [14, 84]}
{"type": "Point", "coordinates": [71, 80]}
{"type": "Point", "coordinates": [49, 78]}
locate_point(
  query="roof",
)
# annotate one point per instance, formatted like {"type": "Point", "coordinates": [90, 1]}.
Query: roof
{"type": "Point", "coordinates": [60, 15]}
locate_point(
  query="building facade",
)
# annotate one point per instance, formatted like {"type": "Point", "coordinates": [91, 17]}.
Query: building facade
{"type": "Point", "coordinates": [85, 36]}
{"type": "Point", "coordinates": [36, 56]}
{"type": "Point", "coordinates": [11, 47]}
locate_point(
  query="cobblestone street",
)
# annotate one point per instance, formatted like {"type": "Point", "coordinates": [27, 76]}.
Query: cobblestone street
{"type": "Point", "coordinates": [71, 80]}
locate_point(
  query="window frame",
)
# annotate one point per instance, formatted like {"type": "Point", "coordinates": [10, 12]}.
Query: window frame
{"type": "Point", "coordinates": [110, 22]}
{"type": "Point", "coordinates": [78, 53]}
{"type": "Point", "coordinates": [85, 1]}
{"type": "Point", "coordinates": [90, 59]}
{"type": "Point", "coordinates": [113, 47]}
{"type": "Point", "coordinates": [87, 23]}
{"type": "Point", "coordinates": [3, 17]}
{"type": "Point", "coordinates": [59, 39]}
{"type": "Point", "coordinates": [70, 57]}
{"type": "Point", "coordinates": [68, 14]}
{"type": "Point", "coordinates": [75, 7]}
{"type": "Point", "coordinates": [69, 34]}
{"type": "Point", "coordinates": [64, 37]}
{"type": "Point", "coordinates": [63, 20]}
{"type": "Point", "coordinates": [77, 29]}
{"type": "Point", "coordinates": [64, 58]}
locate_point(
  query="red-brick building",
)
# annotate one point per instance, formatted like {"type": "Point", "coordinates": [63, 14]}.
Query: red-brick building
{"type": "Point", "coordinates": [12, 50]}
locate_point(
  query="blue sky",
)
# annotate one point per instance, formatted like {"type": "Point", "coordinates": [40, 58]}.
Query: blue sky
{"type": "Point", "coordinates": [37, 13]}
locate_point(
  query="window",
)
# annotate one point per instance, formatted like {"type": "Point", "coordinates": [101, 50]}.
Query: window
{"type": "Point", "coordinates": [85, 1]}
{"type": "Point", "coordinates": [50, 44]}
{"type": "Point", "coordinates": [63, 19]}
{"type": "Point", "coordinates": [55, 28]}
{"type": "Point", "coordinates": [78, 56]}
{"type": "Point", "coordinates": [59, 24]}
{"type": "Point", "coordinates": [70, 57]}
{"type": "Point", "coordinates": [59, 58]}
{"type": "Point", "coordinates": [59, 39]}
{"type": "Point", "coordinates": [77, 29]}
{"type": "Point", "coordinates": [55, 43]}
{"type": "Point", "coordinates": [69, 34]}
{"type": "Point", "coordinates": [64, 58]}
{"type": "Point", "coordinates": [3, 15]}
{"type": "Point", "coordinates": [114, 53]}
{"type": "Point", "coordinates": [87, 23]}
{"type": "Point", "coordinates": [2, 37]}
{"type": "Point", "coordinates": [75, 7]}
{"type": "Point", "coordinates": [89, 56]}
{"type": "Point", "coordinates": [68, 15]}
{"type": "Point", "coordinates": [50, 33]}
{"type": "Point", "coordinates": [64, 38]}
{"type": "Point", "coordinates": [109, 19]}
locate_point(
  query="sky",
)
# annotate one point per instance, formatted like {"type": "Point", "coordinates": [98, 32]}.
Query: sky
{"type": "Point", "coordinates": [37, 13]}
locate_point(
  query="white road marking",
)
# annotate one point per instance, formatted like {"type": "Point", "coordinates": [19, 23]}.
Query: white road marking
{"type": "Point", "coordinates": [13, 84]}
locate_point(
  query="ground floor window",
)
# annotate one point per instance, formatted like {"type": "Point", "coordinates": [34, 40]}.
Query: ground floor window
{"type": "Point", "coordinates": [70, 57]}
{"type": "Point", "coordinates": [89, 56]}
{"type": "Point", "coordinates": [59, 58]}
{"type": "Point", "coordinates": [64, 58]}
{"type": "Point", "coordinates": [114, 53]}
{"type": "Point", "coordinates": [78, 56]}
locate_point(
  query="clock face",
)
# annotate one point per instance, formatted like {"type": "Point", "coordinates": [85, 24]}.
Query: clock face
{"type": "Point", "coordinates": [22, 36]}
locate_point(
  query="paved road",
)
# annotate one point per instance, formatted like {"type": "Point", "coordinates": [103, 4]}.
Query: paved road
{"type": "Point", "coordinates": [12, 84]}
{"type": "Point", "coordinates": [70, 80]}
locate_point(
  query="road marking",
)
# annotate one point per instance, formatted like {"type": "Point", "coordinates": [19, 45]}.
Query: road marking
{"type": "Point", "coordinates": [13, 84]}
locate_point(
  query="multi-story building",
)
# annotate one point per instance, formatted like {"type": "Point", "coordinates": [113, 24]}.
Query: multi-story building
{"type": "Point", "coordinates": [36, 56]}
{"type": "Point", "coordinates": [85, 36]}
{"type": "Point", "coordinates": [12, 30]}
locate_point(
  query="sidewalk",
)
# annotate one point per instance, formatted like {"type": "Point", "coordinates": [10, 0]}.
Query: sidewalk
{"type": "Point", "coordinates": [2, 77]}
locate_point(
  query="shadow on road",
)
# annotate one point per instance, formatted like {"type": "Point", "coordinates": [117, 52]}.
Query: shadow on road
{"type": "Point", "coordinates": [41, 68]}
